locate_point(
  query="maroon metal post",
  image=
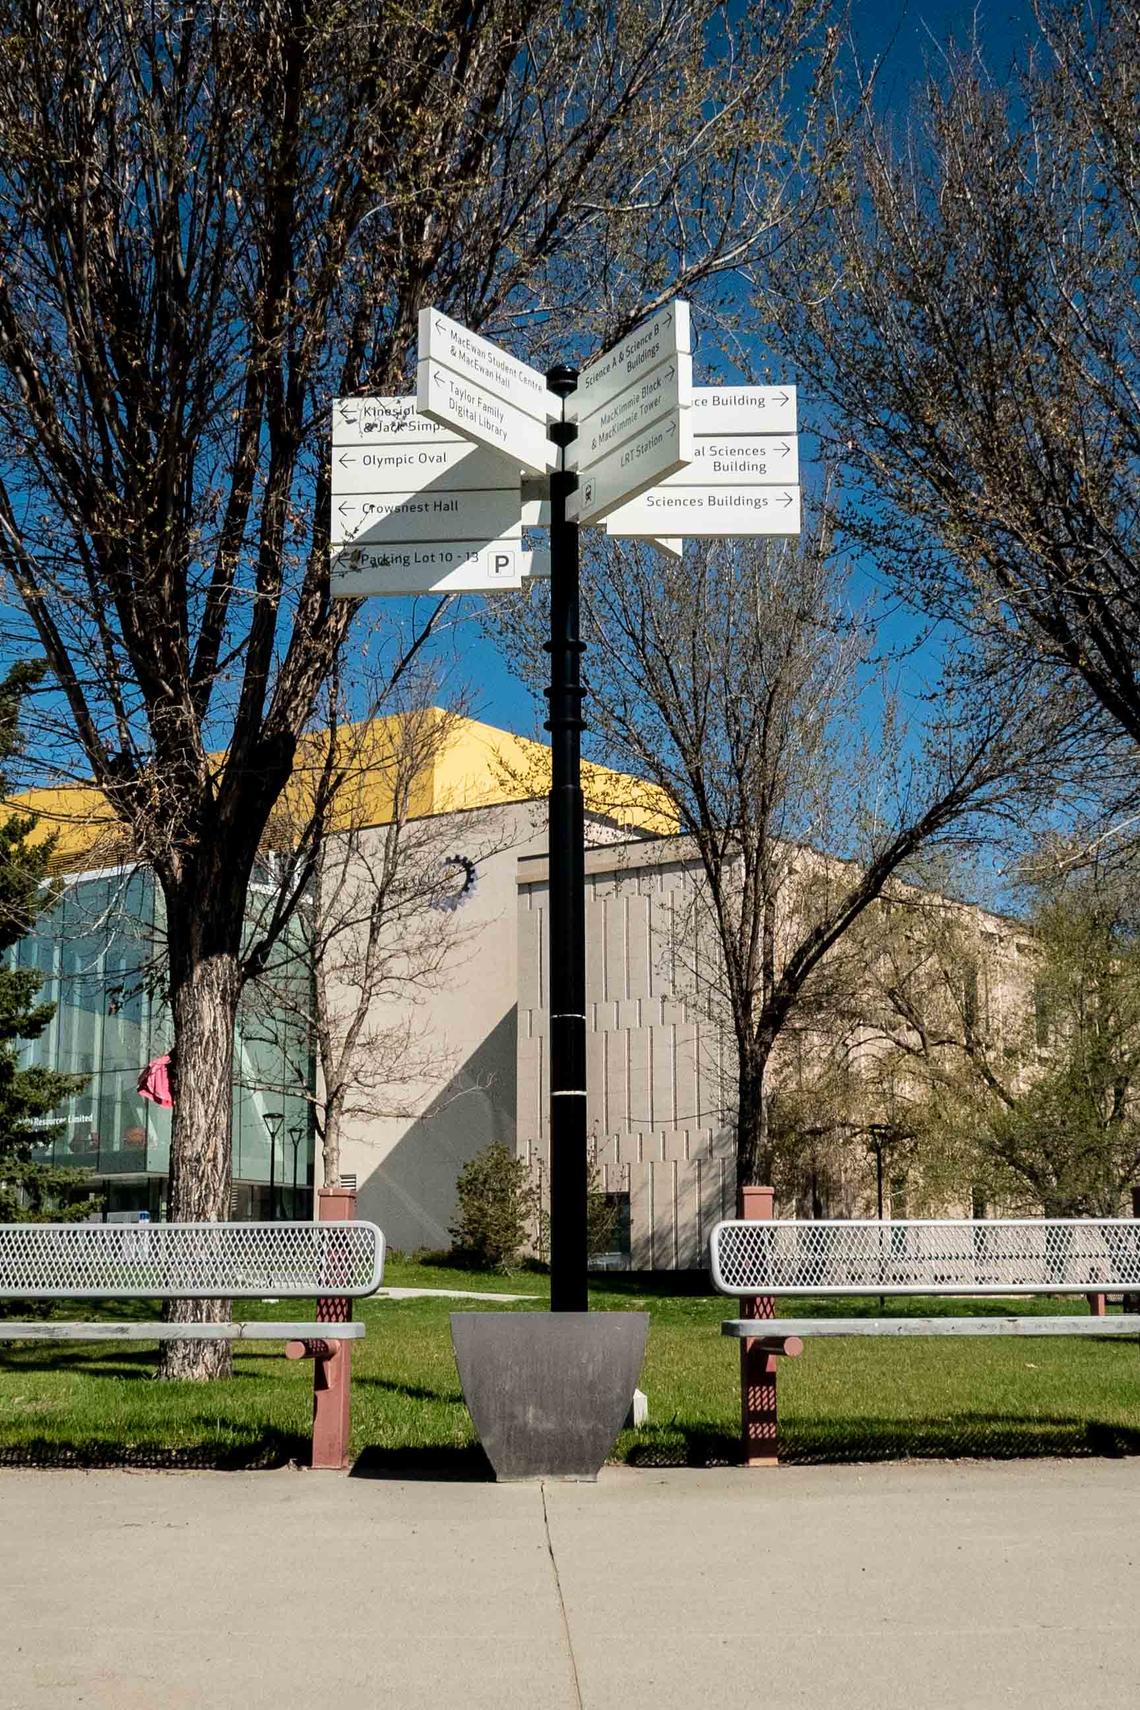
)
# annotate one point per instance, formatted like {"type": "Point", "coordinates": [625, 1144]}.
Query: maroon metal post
{"type": "Point", "coordinates": [1131, 1302]}
{"type": "Point", "coordinates": [759, 1445]}
{"type": "Point", "coordinates": [332, 1361]}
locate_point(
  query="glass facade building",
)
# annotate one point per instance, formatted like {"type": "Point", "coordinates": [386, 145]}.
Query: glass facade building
{"type": "Point", "coordinates": [96, 949]}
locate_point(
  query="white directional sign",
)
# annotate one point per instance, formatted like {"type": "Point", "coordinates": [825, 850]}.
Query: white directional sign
{"type": "Point", "coordinates": [418, 508]}
{"type": "Point", "coordinates": [486, 366]}
{"type": "Point", "coordinates": [649, 402]}
{"type": "Point", "coordinates": [673, 546]}
{"type": "Point", "coordinates": [735, 446]}
{"type": "Point", "coordinates": [632, 411]}
{"type": "Point", "coordinates": [455, 567]}
{"type": "Point", "coordinates": [536, 502]}
{"type": "Point", "coordinates": [768, 461]}
{"type": "Point", "coordinates": [663, 336]}
{"type": "Point", "coordinates": [710, 512]}
{"type": "Point", "coordinates": [364, 421]}
{"type": "Point", "coordinates": [640, 463]}
{"type": "Point", "coordinates": [744, 409]}
{"type": "Point", "coordinates": [384, 519]}
{"type": "Point", "coordinates": [484, 417]}
{"type": "Point", "coordinates": [384, 467]}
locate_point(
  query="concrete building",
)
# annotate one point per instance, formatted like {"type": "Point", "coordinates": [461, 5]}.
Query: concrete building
{"type": "Point", "coordinates": [660, 1064]}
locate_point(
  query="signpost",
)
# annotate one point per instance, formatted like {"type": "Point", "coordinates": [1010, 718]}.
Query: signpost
{"type": "Point", "coordinates": [430, 494]}
{"type": "Point", "coordinates": [711, 512]}
{"type": "Point", "coordinates": [745, 409]}
{"type": "Point", "coordinates": [417, 508]}
{"type": "Point", "coordinates": [468, 384]}
{"type": "Point", "coordinates": [451, 567]}
{"type": "Point", "coordinates": [656, 342]}
{"type": "Point", "coordinates": [744, 438]}
{"type": "Point", "coordinates": [428, 513]}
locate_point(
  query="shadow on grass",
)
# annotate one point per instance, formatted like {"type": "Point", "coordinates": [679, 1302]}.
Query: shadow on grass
{"type": "Point", "coordinates": [414, 1391]}
{"type": "Point", "coordinates": [261, 1452]}
{"type": "Point", "coordinates": [991, 1437]}
{"type": "Point", "coordinates": [461, 1463]}
{"type": "Point", "coordinates": [653, 1285]}
{"type": "Point", "coordinates": [116, 1360]}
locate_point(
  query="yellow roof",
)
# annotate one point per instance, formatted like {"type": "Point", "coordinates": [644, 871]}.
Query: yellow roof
{"type": "Point", "coordinates": [444, 762]}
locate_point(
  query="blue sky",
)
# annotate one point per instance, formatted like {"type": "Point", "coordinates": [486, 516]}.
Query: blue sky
{"type": "Point", "coordinates": [907, 36]}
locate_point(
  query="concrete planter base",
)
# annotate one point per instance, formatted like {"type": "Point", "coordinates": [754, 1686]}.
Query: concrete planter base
{"type": "Point", "coordinates": [548, 1391]}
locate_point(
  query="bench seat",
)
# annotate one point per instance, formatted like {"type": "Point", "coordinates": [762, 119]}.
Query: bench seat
{"type": "Point", "coordinates": [247, 1330]}
{"type": "Point", "coordinates": [776, 1329]}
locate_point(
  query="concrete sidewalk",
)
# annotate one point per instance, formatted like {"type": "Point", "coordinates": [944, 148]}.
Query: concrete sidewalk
{"type": "Point", "coordinates": [925, 1585]}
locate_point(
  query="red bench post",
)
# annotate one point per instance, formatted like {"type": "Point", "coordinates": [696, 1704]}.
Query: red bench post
{"type": "Point", "coordinates": [1131, 1301]}
{"type": "Point", "coordinates": [332, 1360]}
{"type": "Point", "coordinates": [759, 1445]}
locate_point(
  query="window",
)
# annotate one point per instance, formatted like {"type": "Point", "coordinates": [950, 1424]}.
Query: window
{"type": "Point", "coordinates": [617, 1257]}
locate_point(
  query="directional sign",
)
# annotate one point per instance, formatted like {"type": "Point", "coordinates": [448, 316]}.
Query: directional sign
{"type": "Point", "coordinates": [640, 463]}
{"type": "Point", "coordinates": [663, 335]}
{"type": "Point", "coordinates": [445, 567]}
{"type": "Point", "coordinates": [647, 403]}
{"type": "Point", "coordinates": [771, 460]}
{"type": "Point", "coordinates": [484, 417]}
{"type": "Point", "coordinates": [536, 502]}
{"type": "Point", "coordinates": [486, 366]}
{"type": "Point", "coordinates": [384, 466]}
{"type": "Point", "coordinates": [744, 409]}
{"type": "Point", "coordinates": [710, 512]}
{"type": "Point", "coordinates": [364, 421]}
{"type": "Point", "coordinates": [673, 546]}
{"type": "Point", "coordinates": [387, 519]}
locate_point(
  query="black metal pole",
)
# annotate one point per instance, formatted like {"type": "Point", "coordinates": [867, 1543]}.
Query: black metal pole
{"type": "Point", "coordinates": [567, 960]}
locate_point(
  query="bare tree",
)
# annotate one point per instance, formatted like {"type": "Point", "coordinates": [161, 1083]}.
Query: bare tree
{"type": "Point", "coordinates": [379, 926]}
{"type": "Point", "coordinates": [213, 219]}
{"type": "Point", "coordinates": [971, 318]}
{"type": "Point", "coordinates": [1025, 1042]}
{"type": "Point", "coordinates": [738, 682]}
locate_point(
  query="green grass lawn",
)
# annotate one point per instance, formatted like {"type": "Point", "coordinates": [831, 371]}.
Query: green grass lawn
{"type": "Point", "coordinates": [863, 1399]}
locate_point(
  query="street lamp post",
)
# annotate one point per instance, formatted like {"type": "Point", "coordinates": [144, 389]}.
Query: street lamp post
{"type": "Point", "coordinates": [273, 1120]}
{"type": "Point", "coordinates": [296, 1135]}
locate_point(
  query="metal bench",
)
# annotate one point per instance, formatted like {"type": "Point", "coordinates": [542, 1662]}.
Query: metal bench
{"type": "Point", "coordinates": [759, 1258]}
{"type": "Point", "coordinates": [335, 1261]}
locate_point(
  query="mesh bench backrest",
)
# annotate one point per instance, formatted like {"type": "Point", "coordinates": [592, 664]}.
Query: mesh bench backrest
{"type": "Point", "coordinates": [209, 1261]}
{"type": "Point", "coordinates": [1011, 1256]}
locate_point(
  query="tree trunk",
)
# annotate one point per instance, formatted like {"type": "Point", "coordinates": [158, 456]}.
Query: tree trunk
{"type": "Point", "coordinates": [330, 1144]}
{"type": "Point", "coordinates": [205, 987]}
{"type": "Point", "coordinates": [753, 1158]}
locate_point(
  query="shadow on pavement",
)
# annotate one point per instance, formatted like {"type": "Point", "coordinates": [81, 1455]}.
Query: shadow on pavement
{"type": "Point", "coordinates": [262, 1451]}
{"type": "Point", "coordinates": [463, 1463]}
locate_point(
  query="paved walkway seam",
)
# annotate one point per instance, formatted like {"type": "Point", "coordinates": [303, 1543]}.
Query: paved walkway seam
{"type": "Point", "coordinates": [561, 1604]}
